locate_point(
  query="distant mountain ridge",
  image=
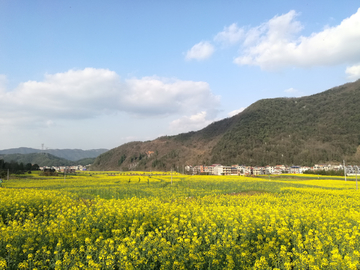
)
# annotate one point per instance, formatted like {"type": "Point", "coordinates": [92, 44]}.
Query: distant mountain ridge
{"type": "Point", "coordinates": [44, 159]}
{"type": "Point", "coordinates": [320, 128]}
{"type": "Point", "coordinates": [69, 154]}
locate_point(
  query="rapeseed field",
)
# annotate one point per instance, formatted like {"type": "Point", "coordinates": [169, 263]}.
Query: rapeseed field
{"type": "Point", "coordinates": [123, 221]}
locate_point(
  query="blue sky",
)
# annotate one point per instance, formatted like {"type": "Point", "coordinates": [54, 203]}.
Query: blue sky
{"type": "Point", "coordinates": [97, 74]}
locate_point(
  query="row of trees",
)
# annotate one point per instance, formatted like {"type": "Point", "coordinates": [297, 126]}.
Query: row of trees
{"type": "Point", "coordinates": [16, 168]}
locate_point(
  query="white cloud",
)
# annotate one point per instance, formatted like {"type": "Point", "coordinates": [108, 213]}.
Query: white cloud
{"type": "Point", "coordinates": [353, 72]}
{"type": "Point", "coordinates": [275, 44]}
{"type": "Point", "coordinates": [200, 51]}
{"type": "Point", "coordinates": [152, 95]}
{"type": "Point", "coordinates": [235, 112]}
{"type": "Point", "coordinates": [192, 123]}
{"type": "Point", "coordinates": [230, 35]}
{"type": "Point", "coordinates": [89, 93]}
{"type": "Point", "coordinates": [291, 90]}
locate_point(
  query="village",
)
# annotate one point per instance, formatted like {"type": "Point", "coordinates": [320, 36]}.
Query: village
{"type": "Point", "coordinates": [218, 169]}
{"type": "Point", "coordinates": [65, 169]}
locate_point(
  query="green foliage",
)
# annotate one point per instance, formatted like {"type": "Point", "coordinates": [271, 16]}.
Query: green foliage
{"type": "Point", "coordinates": [43, 159]}
{"type": "Point", "coordinates": [49, 172]}
{"type": "Point", "coordinates": [69, 154]}
{"type": "Point", "coordinates": [158, 164]}
{"type": "Point", "coordinates": [15, 168]}
{"type": "Point", "coordinates": [323, 172]}
{"type": "Point", "coordinates": [122, 159]}
{"type": "Point", "coordinates": [136, 157]}
{"type": "Point", "coordinates": [84, 161]}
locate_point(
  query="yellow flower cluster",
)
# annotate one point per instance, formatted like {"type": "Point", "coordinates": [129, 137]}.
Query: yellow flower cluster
{"type": "Point", "coordinates": [197, 222]}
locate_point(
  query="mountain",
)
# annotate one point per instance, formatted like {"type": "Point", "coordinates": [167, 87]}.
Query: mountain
{"type": "Point", "coordinates": [69, 154]}
{"type": "Point", "coordinates": [321, 128]}
{"type": "Point", "coordinates": [44, 159]}
{"type": "Point", "coordinates": [41, 159]}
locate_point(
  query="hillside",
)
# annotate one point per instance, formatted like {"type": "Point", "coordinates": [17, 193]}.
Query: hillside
{"type": "Point", "coordinates": [44, 159]}
{"type": "Point", "coordinates": [41, 159]}
{"type": "Point", "coordinates": [321, 128]}
{"type": "Point", "coordinates": [69, 154]}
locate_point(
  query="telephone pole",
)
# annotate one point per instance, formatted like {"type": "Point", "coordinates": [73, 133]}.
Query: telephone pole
{"type": "Point", "coordinates": [357, 170]}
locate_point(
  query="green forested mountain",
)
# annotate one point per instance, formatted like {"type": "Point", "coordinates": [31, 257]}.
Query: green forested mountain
{"type": "Point", "coordinates": [44, 159]}
{"type": "Point", "coordinates": [69, 154]}
{"type": "Point", "coordinates": [321, 128]}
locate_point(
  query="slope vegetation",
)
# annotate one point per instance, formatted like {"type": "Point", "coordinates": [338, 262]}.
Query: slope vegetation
{"type": "Point", "coordinates": [69, 154]}
{"type": "Point", "coordinates": [44, 159]}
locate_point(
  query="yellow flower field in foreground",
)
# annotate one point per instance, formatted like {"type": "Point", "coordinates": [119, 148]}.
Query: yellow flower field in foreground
{"type": "Point", "coordinates": [196, 222]}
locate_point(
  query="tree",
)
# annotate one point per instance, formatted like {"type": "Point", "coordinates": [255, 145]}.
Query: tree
{"type": "Point", "coordinates": [28, 167]}
{"type": "Point", "coordinates": [35, 167]}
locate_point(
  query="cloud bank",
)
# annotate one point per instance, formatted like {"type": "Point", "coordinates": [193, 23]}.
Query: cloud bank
{"type": "Point", "coordinates": [88, 93]}
{"type": "Point", "coordinates": [275, 44]}
{"type": "Point", "coordinates": [278, 44]}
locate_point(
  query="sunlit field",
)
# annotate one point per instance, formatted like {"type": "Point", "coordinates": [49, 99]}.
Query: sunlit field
{"type": "Point", "coordinates": [112, 220]}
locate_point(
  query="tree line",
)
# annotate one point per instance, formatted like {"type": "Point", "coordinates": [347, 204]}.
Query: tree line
{"type": "Point", "coordinates": [16, 168]}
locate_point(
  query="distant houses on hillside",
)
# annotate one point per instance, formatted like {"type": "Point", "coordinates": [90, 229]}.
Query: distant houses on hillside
{"type": "Point", "coordinates": [218, 169]}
